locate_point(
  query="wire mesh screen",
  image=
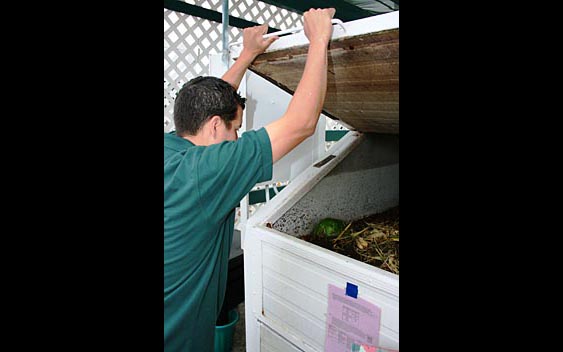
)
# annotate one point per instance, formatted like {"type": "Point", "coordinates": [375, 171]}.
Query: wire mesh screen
{"type": "Point", "coordinates": [189, 40]}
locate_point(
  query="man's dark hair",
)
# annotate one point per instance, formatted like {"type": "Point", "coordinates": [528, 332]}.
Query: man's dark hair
{"type": "Point", "coordinates": [200, 99]}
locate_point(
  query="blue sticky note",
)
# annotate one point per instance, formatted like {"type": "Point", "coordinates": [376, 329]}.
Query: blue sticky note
{"type": "Point", "coordinates": [351, 290]}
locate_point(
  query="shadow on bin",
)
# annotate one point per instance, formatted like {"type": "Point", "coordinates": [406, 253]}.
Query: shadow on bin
{"type": "Point", "coordinates": [224, 333]}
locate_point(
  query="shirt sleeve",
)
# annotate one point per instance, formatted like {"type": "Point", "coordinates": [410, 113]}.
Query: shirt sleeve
{"type": "Point", "coordinates": [227, 171]}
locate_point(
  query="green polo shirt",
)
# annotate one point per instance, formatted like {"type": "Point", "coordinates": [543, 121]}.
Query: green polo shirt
{"type": "Point", "coordinates": [202, 188]}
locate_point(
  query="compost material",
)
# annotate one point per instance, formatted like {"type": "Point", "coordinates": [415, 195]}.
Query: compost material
{"type": "Point", "coordinates": [373, 240]}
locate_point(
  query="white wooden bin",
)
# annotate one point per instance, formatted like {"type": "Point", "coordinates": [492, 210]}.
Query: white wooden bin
{"type": "Point", "coordinates": [286, 278]}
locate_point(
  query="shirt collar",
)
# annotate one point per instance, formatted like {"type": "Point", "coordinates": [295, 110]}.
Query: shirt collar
{"type": "Point", "coordinates": [174, 142]}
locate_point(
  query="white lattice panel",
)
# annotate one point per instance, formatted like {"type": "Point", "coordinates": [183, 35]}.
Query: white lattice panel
{"type": "Point", "coordinates": [254, 11]}
{"type": "Point", "coordinates": [189, 40]}
{"type": "Point", "coordinates": [260, 12]}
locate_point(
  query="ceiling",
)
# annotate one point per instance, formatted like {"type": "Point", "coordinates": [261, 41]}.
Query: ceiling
{"type": "Point", "coordinates": [346, 10]}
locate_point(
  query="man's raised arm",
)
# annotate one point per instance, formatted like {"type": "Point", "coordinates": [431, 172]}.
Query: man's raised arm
{"type": "Point", "coordinates": [300, 120]}
{"type": "Point", "coordinates": [253, 45]}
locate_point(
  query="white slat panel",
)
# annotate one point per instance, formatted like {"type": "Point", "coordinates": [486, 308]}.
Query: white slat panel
{"type": "Point", "coordinates": [295, 292]}
{"type": "Point", "coordinates": [272, 342]}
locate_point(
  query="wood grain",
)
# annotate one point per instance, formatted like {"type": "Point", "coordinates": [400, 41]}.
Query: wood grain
{"type": "Point", "coordinates": [363, 78]}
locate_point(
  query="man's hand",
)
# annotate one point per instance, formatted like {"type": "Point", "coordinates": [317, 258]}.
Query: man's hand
{"type": "Point", "coordinates": [253, 42]}
{"type": "Point", "coordinates": [253, 45]}
{"type": "Point", "coordinates": [318, 25]}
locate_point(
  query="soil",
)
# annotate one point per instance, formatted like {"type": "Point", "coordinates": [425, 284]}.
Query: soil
{"type": "Point", "coordinates": [373, 239]}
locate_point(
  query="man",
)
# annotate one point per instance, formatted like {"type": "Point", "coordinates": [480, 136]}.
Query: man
{"type": "Point", "coordinates": [208, 170]}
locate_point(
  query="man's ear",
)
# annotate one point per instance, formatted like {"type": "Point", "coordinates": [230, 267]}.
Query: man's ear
{"type": "Point", "coordinates": [214, 123]}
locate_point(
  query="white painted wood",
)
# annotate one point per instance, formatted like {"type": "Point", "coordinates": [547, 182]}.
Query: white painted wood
{"type": "Point", "coordinates": [296, 279]}
{"type": "Point", "coordinates": [288, 31]}
{"type": "Point", "coordinates": [273, 342]}
{"type": "Point", "coordinates": [252, 288]}
{"type": "Point", "coordinates": [266, 103]}
{"type": "Point", "coordinates": [291, 276]}
{"type": "Point", "coordinates": [303, 183]}
{"type": "Point", "coordinates": [376, 23]}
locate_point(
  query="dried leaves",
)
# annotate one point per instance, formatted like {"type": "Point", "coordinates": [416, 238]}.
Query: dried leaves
{"type": "Point", "coordinates": [373, 240]}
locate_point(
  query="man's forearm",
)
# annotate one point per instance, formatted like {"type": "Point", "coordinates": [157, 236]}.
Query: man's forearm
{"type": "Point", "coordinates": [302, 115]}
{"type": "Point", "coordinates": [307, 102]}
{"type": "Point", "coordinates": [236, 72]}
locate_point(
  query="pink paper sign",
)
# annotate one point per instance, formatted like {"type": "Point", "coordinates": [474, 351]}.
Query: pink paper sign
{"type": "Point", "coordinates": [350, 320]}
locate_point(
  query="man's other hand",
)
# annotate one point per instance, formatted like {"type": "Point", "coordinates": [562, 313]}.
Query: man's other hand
{"type": "Point", "coordinates": [253, 40]}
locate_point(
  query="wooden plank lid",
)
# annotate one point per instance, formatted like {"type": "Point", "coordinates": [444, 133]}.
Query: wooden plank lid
{"type": "Point", "coordinates": [363, 78]}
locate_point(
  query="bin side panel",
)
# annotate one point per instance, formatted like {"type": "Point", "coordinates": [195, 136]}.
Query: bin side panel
{"type": "Point", "coordinates": [270, 341]}
{"type": "Point", "coordinates": [295, 293]}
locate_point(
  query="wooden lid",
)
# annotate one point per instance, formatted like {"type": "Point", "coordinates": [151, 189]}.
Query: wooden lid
{"type": "Point", "coordinates": [363, 79]}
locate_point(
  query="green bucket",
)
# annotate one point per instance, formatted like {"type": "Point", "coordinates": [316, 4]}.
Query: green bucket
{"type": "Point", "coordinates": [224, 333]}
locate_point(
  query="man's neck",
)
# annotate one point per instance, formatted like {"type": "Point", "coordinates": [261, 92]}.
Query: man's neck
{"type": "Point", "coordinates": [196, 140]}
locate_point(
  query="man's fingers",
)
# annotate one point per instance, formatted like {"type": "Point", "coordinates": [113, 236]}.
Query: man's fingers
{"type": "Point", "coordinates": [264, 28]}
{"type": "Point", "coordinates": [331, 11]}
{"type": "Point", "coordinates": [271, 40]}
